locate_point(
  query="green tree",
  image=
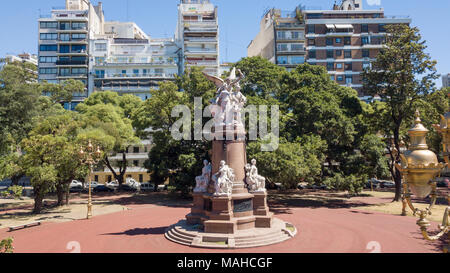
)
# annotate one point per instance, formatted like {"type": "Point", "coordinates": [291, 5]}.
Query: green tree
{"type": "Point", "coordinates": [401, 75]}
{"type": "Point", "coordinates": [64, 91]}
{"type": "Point", "coordinates": [6, 245]}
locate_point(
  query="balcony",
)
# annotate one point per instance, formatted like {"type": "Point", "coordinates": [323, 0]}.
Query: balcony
{"type": "Point", "coordinates": [71, 62]}
{"type": "Point", "coordinates": [69, 75]}
{"type": "Point", "coordinates": [200, 30]}
{"type": "Point", "coordinates": [138, 75]}
{"type": "Point", "coordinates": [200, 40]}
{"type": "Point", "coordinates": [201, 63]}
{"type": "Point", "coordinates": [200, 23]}
{"type": "Point", "coordinates": [201, 50]}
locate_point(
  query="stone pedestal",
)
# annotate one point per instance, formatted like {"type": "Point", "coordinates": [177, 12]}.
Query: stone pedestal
{"type": "Point", "coordinates": [261, 210]}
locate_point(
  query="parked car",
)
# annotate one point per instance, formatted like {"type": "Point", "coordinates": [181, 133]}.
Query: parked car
{"type": "Point", "coordinates": [373, 182]}
{"type": "Point", "coordinates": [93, 184]}
{"type": "Point", "coordinates": [133, 183]}
{"type": "Point", "coordinates": [127, 187]}
{"type": "Point", "coordinates": [75, 183]}
{"type": "Point", "coordinates": [102, 188]}
{"type": "Point", "coordinates": [387, 184]}
{"type": "Point", "coordinates": [147, 187]}
{"type": "Point", "coordinates": [76, 189]}
{"type": "Point", "coordinates": [113, 184]}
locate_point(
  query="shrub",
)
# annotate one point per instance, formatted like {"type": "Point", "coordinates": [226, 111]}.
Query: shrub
{"type": "Point", "coordinates": [6, 246]}
{"type": "Point", "coordinates": [16, 191]}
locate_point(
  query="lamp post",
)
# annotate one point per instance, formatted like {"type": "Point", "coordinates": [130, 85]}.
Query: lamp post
{"type": "Point", "coordinates": [419, 167]}
{"type": "Point", "coordinates": [90, 157]}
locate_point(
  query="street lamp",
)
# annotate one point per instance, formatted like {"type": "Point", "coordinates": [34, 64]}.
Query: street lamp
{"type": "Point", "coordinates": [90, 158]}
{"type": "Point", "coordinates": [419, 167]}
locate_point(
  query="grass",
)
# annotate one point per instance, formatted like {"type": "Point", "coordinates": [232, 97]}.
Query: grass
{"type": "Point", "coordinates": [291, 229]}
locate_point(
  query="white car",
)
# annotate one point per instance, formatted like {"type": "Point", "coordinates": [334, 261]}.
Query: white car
{"type": "Point", "coordinates": [93, 184]}
{"type": "Point", "coordinates": [113, 184]}
{"type": "Point", "coordinates": [75, 183]}
{"type": "Point", "coordinates": [133, 183]}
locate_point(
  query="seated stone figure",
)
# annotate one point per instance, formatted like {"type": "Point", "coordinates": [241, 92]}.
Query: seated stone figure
{"type": "Point", "coordinates": [202, 181]}
{"type": "Point", "coordinates": [255, 182]}
{"type": "Point", "coordinates": [223, 180]}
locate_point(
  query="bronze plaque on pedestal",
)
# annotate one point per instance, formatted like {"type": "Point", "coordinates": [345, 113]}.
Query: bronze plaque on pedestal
{"type": "Point", "coordinates": [242, 205]}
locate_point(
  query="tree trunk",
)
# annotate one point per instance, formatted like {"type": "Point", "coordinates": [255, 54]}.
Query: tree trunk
{"type": "Point", "coordinates": [60, 194]}
{"type": "Point", "coordinates": [15, 179]}
{"type": "Point", "coordinates": [396, 174]}
{"type": "Point", "coordinates": [38, 203]}
{"type": "Point", "coordinates": [67, 196]}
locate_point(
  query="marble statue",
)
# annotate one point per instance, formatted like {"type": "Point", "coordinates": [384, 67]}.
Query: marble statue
{"type": "Point", "coordinates": [227, 106]}
{"type": "Point", "coordinates": [255, 182]}
{"type": "Point", "coordinates": [223, 180]}
{"type": "Point", "coordinates": [202, 181]}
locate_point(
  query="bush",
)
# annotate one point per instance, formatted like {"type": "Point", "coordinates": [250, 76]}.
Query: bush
{"type": "Point", "coordinates": [16, 191]}
{"type": "Point", "coordinates": [4, 194]}
{"type": "Point", "coordinates": [6, 246]}
{"type": "Point", "coordinates": [353, 184]}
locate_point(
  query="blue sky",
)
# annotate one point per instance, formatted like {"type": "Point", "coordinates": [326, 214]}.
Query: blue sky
{"type": "Point", "coordinates": [238, 19]}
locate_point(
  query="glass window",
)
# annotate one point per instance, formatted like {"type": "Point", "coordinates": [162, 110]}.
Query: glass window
{"type": "Point", "coordinates": [366, 65]}
{"type": "Point", "coordinates": [364, 40]}
{"type": "Point", "coordinates": [311, 41]}
{"type": "Point", "coordinates": [347, 41]}
{"type": "Point", "coordinates": [64, 37]}
{"type": "Point", "coordinates": [329, 41]}
{"type": "Point", "coordinates": [100, 73]}
{"type": "Point", "coordinates": [47, 70]}
{"type": "Point", "coordinates": [330, 53]}
{"type": "Point", "coordinates": [297, 59]}
{"type": "Point", "coordinates": [48, 36]}
{"type": "Point", "coordinates": [365, 53]}
{"type": "Point", "coordinates": [281, 34]}
{"type": "Point", "coordinates": [79, 70]}
{"type": "Point", "coordinates": [64, 48]}
{"type": "Point", "coordinates": [282, 47]}
{"type": "Point", "coordinates": [78, 36]}
{"type": "Point", "coordinates": [339, 65]}
{"type": "Point", "coordinates": [64, 72]}
{"type": "Point", "coordinates": [312, 54]}
{"type": "Point", "coordinates": [347, 53]}
{"type": "Point", "coordinates": [136, 150]}
{"type": "Point", "coordinates": [381, 28]}
{"type": "Point", "coordinates": [78, 25]}
{"type": "Point", "coordinates": [100, 47]}
{"type": "Point", "coordinates": [45, 59]}
{"type": "Point", "coordinates": [338, 40]}
{"type": "Point", "coordinates": [64, 25]}
{"type": "Point", "coordinates": [99, 60]}
{"type": "Point", "coordinates": [136, 71]}
{"type": "Point", "coordinates": [48, 47]}
{"type": "Point", "coordinates": [311, 29]}
{"type": "Point", "coordinates": [330, 66]}
{"type": "Point", "coordinates": [338, 53]}
{"type": "Point", "coordinates": [297, 47]}
{"type": "Point", "coordinates": [348, 79]}
{"type": "Point", "coordinates": [78, 48]}
{"type": "Point", "coordinates": [348, 66]}
{"type": "Point", "coordinates": [297, 35]}
{"type": "Point", "coordinates": [364, 28]}
{"type": "Point", "coordinates": [332, 77]}
{"type": "Point", "coordinates": [48, 24]}
{"type": "Point", "coordinates": [282, 59]}
{"type": "Point", "coordinates": [340, 78]}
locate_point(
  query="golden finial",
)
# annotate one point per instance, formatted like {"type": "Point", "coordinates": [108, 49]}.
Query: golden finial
{"type": "Point", "coordinates": [417, 115]}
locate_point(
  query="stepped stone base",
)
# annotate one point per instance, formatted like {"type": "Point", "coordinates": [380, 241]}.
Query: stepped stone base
{"type": "Point", "coordinates": [194, 236]}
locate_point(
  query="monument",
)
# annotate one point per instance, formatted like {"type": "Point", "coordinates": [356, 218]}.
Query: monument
{"type": "Point", "coordinates": [230, 200]}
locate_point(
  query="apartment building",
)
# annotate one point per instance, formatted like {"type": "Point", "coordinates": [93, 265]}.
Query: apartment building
{"type": "Point", "coordinates": [197, 34]}
{"type": "Point", "coordinates": [344, 40]}
{"type": "Point", "coordinates": [446, 80]}
{"type": "Point", "coordinates": [281, 39]}
{"type": "Point", "coordinates": [64, 44]}
{"type": "Point", "coordinates": [128, 61]}
{"type": "Point", "coordinates": [23, 58]}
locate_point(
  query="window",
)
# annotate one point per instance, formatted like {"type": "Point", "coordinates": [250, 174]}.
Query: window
{"type": "Point", "coordinates": [48, 24]}
{"type": "Point", "coordinates": [365, 53]}
{"type": "Point", "coordinates": [340, 78]}
{"type": "Point", "coordinates": [100, 74]}
{"type": "Point", "coordinates": [338, 53]}
{"type": "Point", "coordinates": [48, 36]}
{"type": "Point", "coordinates": [109, 178]}
{"type": "Point", "coordinates": [79, 71]}
{"type": "Point", "coordinates": [99, 60]}
{"type": "Point", "coordinates": [297, 60]}
{"type": "Point", "coordinates": [330, 54]}
{"type": "Point", "coordinates": [348, 79]}
{"type": "Point", "coordinates": [135, 163]}
{"type": "Point", "coordinates": [311, 41]}
{"type": "Point", "coordinates": [48, 47]}
{"type": "Point", "coordinates": [364, 40]}
{"type": "Point", "coordinates": [364, 28]}
{"type": "Point", "coordinates": [347, 53]}
{"type": "Point", "coordinates": [332, 77]}
{"type": "Point", "coordinates": [64, 37]}
{"type": "Point", "coordinates": [136, 150]}
{"type": "Point", "coordinates": [347, 41]}
{"type": "Point", "coordinates": [338, 65]}
{"type": "Point", "coordinates": [329, 41]}
{"type": "Point", "coordinates": [282, 47]}
{"type": "Point", "coordinates": [338, 40]}
{"type": "Point", "coordinates": [141, 178]}
{"type": "Point", "coordinates": [100, 47]}
{"type": "Point", "coordinates": [64, 26]}
{"type": "Point", "coordinates": [135, 73]}
{"type": "Point", "coordinates": [78, 25]}
{"type": "Point", "coordinates": [282, 60]}
{"type": "Point", "coordinates": [124, 72]}
{"type": "Point", "coordinates": [78, 36]}
{"type": "Point", "coordinates": [78, 48]}
{"type": "Point", "coordinates": [296, 35]}
{"type": "Point", "coordinates": [96, 178]}
{"type": "Point", "coordinates": [330, 66]}
{"type": "Point", "coordinates": [64, 49]}
{"type": "Point", "coordinates": [47, 70]}
{"type": "Point", "coordinates": [311, 29]}
{"type": "Point", "coordinates": [64, 72]}
{"type": "Point", "coordinates": [366, 65]}
{"type": "Point", "coordinates": [348, 66]}
{"type": "Point", "coordinates": [296, 47]}
{"type": "Point", "coordinates": [281, 35]}
{"type": "Point", "coordinates": [312, 54]}
{"type": "Point", "coordinates": [45, 59]}
{"type": "Point", "coordinates": [381, 28]}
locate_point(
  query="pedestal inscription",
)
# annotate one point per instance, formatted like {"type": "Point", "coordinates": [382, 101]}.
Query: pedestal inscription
{"type": "Point", "coordinates": [242, 205]}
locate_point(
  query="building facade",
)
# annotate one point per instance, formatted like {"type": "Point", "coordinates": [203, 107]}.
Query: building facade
{"type": "Point", "coordinates": [446, 80]}
{"type": "Point", "coordinates": [197, 34]}
{"type": "Point", "coordinates": [345, 40]}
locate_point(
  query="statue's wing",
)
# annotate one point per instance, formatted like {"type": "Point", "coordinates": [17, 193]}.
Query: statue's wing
{"type": "Point", "coordinates": [217, 81]}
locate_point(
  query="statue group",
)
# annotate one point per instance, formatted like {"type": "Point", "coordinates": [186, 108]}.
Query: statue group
{"type": "Point", "coordinates": [255, 182]}
{"type": "Point", "coordinates": [227, 106]}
